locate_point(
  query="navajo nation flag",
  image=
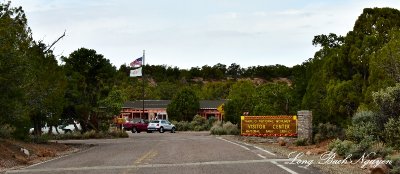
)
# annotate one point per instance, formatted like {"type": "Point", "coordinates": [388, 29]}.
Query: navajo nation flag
{"type": "Point", "coordinates": [138, 61]}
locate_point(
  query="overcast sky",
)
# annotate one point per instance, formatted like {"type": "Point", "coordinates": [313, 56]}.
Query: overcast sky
{"type": "Point", "coordinates": [189, 33]}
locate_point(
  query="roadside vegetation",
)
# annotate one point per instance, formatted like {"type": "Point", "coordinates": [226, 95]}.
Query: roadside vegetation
{"type": "Point", "coordinates": [352, 86]}
{"type": "Point", "coordinates": [78, 135]}
{"type": "Point", "coordinates": [215, 127]}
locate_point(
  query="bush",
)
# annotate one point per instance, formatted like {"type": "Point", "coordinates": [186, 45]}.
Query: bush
{"type": "Point", "coordinates": [198, 120]}
{"type": "Point", "coordinates": [44, 138]}
{"type": "Point", "coordinates": [6, 131]}
{"type": "Point", "coordinates": [198, 123]}
{"type": "Point", "coordinates": [90, 134]}
{"type": "Point", "coordinates": [301, 142]}
{"type": "Point", "coordinates": [341, 147]}
{"type": "Point", "coordinates": [119, 134]}
{"type": "Point", "coordinates": [327, 131]}
{"type": "Point", "coordinates": [231, 129]}
{"type": "Point", "coordinates": [392, 133]}
{"type": "Point", "coordinates": [226, 129]}
{"type": "Point", "coordinates": [182, 125]}
{"type": "Point", "coordinates": [363, 125]}
{"type": "Point", "coordinates": [380, 150]}
{"type": "Point", "coordinates": [395, 166]}
{"type": "Point", "coordinates": [217, 130]}
{"type": "Point", "coordinates": [358, 132]}
{"type": "Point", "coordinates": [364, 147]}
{"type": "Point", "coordinates": [211, 121]}
{"type": "Point", "coordinates": [363, 117]}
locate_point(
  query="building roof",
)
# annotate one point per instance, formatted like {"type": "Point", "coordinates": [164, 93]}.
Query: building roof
{"type": "Point", "coordinates": [162, 104]}
{"type": "Point", "coordinates": [211, 104]}
{"type": "Point", "coordinates": [148, 104]}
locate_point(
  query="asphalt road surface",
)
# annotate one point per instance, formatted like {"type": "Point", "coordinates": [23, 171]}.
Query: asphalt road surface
{"type": "Point", "coordinates": [177, 153]}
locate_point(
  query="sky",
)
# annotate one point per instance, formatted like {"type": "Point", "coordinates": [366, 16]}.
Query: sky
{"type": "Point", "coordinates": [190, 33]}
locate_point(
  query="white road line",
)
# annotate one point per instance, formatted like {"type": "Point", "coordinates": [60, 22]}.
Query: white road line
{"type": "Point", "coordinates": [244, 147]}
{"type": "Point", "coordinates": [146, 166]}
{"type": "Point", "coordinates": [246, 144]}
{"type": "Point", "coordinates": [259, 148]}
{"type": "Point", "coordinates": [284, 168]}
{"type": "Point", "coordinates": [263, 157]}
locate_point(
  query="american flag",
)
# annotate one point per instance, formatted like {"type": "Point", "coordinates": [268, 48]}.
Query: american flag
{"type": "Point", "coordinates": [138, 61]}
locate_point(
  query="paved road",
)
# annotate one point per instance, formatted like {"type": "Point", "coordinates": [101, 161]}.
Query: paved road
{"type": "Point", "coordinates": [178, 153]}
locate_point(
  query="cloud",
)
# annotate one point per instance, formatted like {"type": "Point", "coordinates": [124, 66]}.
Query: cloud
{"type": "Point", "coordinates": [204, 32]}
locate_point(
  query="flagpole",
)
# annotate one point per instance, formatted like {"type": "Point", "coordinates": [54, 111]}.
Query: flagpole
{"type": "Point", "coordinates": [143, 81]}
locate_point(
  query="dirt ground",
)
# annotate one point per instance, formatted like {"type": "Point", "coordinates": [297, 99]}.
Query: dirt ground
{"type": "Point", "coordinates": [12, 157]}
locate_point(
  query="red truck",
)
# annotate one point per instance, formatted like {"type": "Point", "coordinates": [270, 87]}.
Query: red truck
{"type": "Point", "coordinates": [136, 125]}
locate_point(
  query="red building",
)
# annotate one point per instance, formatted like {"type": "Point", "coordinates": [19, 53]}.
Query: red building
{"type": "Point", "coordinates": [157, 109]}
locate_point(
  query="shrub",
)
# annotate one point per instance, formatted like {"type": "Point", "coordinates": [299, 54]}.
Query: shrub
{"type": "Point", "coordinates": [89, 134]}
{"type": "Point", "coordinates": [6, 131]}
{"type": "Point", "coordinates": [73, 135]}
{"type": "Point", "coordinates": [380, 150]}
{"type": "Point", "coordinates": [392, 133]}
{"type": "Point", "coordinates": [327, 131]}
{"type": "Point", "coordinates": [182, 125]}
{"type": "Point", "coordinates": [340, 147]}
{"type": "Point", "coordinates": [231, 129]}
{"type": "Point", "coordinates": [363, 147]}
{"type": "Point", "coordinates": [198, 123]}
{"type": "Point", "coordinates": [395, 166]}
{"type": "Point", "coordinates": [217, 130]}
{"type": "Point", "coordinates": [358, 132]}
{"type": "Point", "coordinates": [198, 120]}
{"type": "Point", "coordinates": [211, 121]}
{"type": "Point", "coordinates": [301, 142]}
{"type": "Point", "coordinates": [226, 129]}
{"type": "Point", "coordinates": [363, 117]}
{"type": "Point", "coordinates": [363, 125]}
{"type": "Point", "coordinates": [119, 134]}
{"type": "Point", "coordinates": [44, 138]}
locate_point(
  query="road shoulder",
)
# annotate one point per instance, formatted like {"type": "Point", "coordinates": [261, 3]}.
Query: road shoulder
{"type": "Point", "coordinates": [309, 154]}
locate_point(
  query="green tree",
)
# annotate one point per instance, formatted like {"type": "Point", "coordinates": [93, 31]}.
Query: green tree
{"type": "Point", "coordinates": [166, 90]}
{"type": "Point", "coordinates": [273, 99]}
{"type": "Point", "coordinates": [241, 99]}
{"type": "Point", "coordinates": [46, 90]}
{"type": "Point", "coordinates": [111, 106]}
{"type": "Point", "coordinates": [15, 41]}
{"type": "Point", "coordinates": [215, 90]}
{"type": "Point", "coordinates": [28, 89]}
{"type": "Point", "coordinates": [388, 102]}
{"type": "Point", "coordinates": [90, 78]}
{"type": "Point", "coordinates": [385, 66]}
{"type": "Point", "coordinates": [184, 105]}
{"type": "Point", "coordinates": [342, 100]}
{"type": "Point", "coordinates": [234, 71]}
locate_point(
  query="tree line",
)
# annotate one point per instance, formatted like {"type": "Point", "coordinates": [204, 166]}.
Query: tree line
{"type": "Point", "coordinates": [339, 80]}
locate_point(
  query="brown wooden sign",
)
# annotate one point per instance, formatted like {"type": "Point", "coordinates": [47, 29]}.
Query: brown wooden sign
{"type": "Point", "coordinates": [282, 126]}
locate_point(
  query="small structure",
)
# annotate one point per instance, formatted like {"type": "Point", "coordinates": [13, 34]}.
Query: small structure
{"type": "Point", "coordinates": [210, 109]}
{"type": "Point", "coordinates": [153, 109]}
{"type": "Point", "coordinates": [157, 109]}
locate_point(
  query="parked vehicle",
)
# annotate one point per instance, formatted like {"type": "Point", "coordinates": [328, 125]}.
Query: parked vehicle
{"type": "Point", "coordinates": [136, 125]}
{"type": "Point", "coordinates": [62, 129]}
{"type": "Point", "coordinates": [161, 126]}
